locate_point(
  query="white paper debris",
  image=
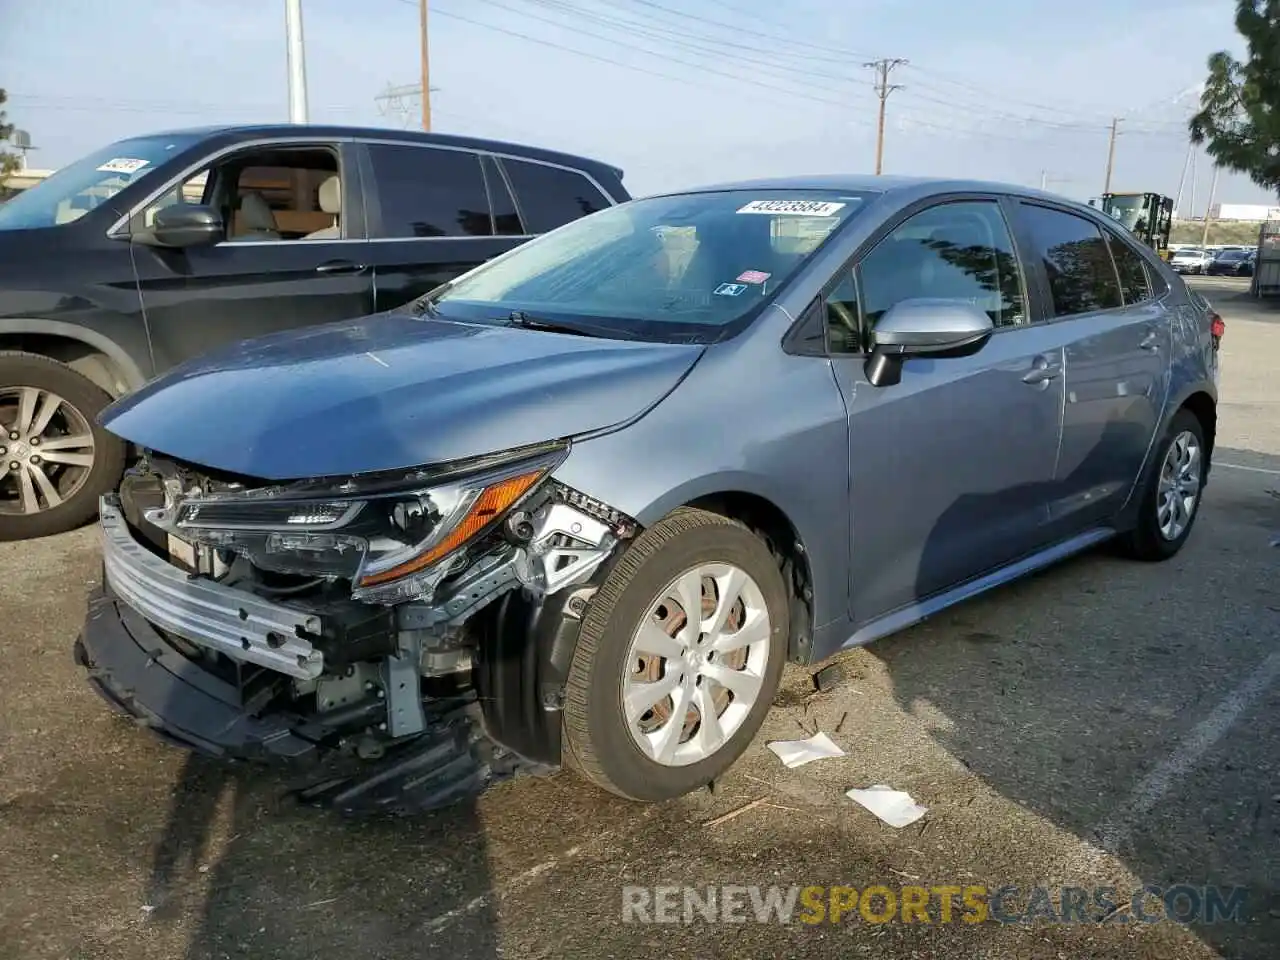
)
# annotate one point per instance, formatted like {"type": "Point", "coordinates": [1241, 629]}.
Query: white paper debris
{"type": "Point", "coordinates": [796, 753]}
{"type": "Point", "coordinates": [894, 807]}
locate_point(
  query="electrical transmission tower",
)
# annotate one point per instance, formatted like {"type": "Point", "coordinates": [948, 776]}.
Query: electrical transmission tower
{"type": "Point", "coordinates": [883, 68]}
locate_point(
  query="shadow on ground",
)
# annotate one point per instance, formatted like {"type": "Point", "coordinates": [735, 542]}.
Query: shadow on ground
{"type": "Point", "coordinates": [1178, 778]}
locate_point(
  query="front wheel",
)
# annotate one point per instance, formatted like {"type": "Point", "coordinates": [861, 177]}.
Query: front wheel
{"type": "Point", "coordinates": [55, 461]}
{"type": "Point", "coordinates": [679, 658]}
{"type": "Point", "coordinates": [1171, 492]}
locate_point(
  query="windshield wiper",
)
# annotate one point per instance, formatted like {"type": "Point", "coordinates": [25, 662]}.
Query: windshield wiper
{"type": "Point", "coordinates": [518, 318]}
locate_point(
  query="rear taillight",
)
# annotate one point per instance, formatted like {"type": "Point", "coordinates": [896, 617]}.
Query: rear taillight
{"type": "Point", "coordinates": [1217, 328]}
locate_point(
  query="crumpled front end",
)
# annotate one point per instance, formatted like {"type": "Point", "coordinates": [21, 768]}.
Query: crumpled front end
{"type": "Point", "coordinates": [408, 635]}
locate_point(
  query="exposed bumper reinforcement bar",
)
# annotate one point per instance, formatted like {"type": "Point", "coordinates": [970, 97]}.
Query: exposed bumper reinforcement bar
{"type": "Point", "coordinates": [137, 671]}
{"type": "Point", "coordinates": [234, 622]}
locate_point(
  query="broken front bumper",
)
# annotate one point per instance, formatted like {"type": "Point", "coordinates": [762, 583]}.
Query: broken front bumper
{"type": "Point", "coordinates": [243, 626]}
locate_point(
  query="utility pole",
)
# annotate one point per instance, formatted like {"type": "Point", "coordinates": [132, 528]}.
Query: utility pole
{"type": "Point", "coordinates": [426, 69]}
{"type": "Point", "coordinates": [1191, 207]}
{"type": "Point", "coordinates": [1208, 210]}
{"type": "Point", "coordinates": [1111, 154]}
{"type": "Point", "coordinates": [883, 88]}
{"type": "Point", "coordinates": [297, 62]}
{"type": "Point", "coordinates": [1182, 180]}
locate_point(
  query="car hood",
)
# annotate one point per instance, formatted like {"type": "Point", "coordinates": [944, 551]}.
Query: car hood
{"type": "Point", "coordinates": [392, 391]}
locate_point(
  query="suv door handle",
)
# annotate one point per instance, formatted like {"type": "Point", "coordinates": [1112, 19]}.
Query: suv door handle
{"type": "Point", "coordinates": [1043, 369]}
{"type": "Point", "coordinates": [341, 266]}
{"type": "Point", "coordinates": [1151, 341]}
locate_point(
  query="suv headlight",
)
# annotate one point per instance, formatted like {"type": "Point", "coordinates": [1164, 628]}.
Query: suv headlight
{"type": "Point", "coordinates": [393, 538]}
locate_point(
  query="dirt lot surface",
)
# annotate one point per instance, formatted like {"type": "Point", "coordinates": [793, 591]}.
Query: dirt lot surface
{"type": "Point", "coordinates": [1105, 723]}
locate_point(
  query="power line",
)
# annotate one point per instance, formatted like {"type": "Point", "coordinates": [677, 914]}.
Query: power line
{"type": "Point", "coordinates": [883, 68]}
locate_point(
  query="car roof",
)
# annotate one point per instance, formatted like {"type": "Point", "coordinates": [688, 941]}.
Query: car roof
{"type": "Point", "coordinates": [334, 131]}
{"type": "Point", "coordinates": [871, 183]}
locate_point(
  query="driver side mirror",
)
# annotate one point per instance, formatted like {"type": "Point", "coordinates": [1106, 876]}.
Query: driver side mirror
{"type": "Point", "coordinates": [924, 328]}
{"type": "Point", "coordinates": [186, 225]}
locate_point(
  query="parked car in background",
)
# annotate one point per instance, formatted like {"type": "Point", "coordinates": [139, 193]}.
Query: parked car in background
{"type": "Point", "coordinates": [155, 249]}
{"type": "Point", "coordinates": [1232, 262]}
{"type": "Point", "coordinates": [1191, 260]}
{"type": "Point", "coordinates": [582, 504]}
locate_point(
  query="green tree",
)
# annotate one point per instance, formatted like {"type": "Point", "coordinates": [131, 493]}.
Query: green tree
{"type": "Point", "coordinates": [8, 161]}
{"type": "Point", "coordinates": [1239, 116]}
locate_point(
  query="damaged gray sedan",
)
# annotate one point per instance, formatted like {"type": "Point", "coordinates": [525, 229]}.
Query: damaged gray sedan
{"type": "Point", "coordinates": [581, 505]}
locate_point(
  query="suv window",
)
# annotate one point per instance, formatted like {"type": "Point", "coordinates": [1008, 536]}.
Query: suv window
{"type": "Point", "coordinates": [1135, 285]}
{"type": "Point", "coordinates": [955, 251]}
{"type": "Point", "coordinates": [428, 192]}
{"type": "Point", "coordinates": [550, 197]}
{"type": "Point", "coordinates": [1082, 276]}
{"type": "Point", "coordinates": [269, 193]}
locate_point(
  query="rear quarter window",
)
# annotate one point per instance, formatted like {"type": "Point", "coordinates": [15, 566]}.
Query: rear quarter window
{"type": "Point", "coordinates": [550, 197]}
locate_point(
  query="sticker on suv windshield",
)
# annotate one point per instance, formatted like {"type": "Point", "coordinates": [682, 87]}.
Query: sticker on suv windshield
{"type": "Point", "coordinates": [753, 276]}
{"type": "Point", "coordinates": [730, 289]}
{"type": "Point", "coordinates": [123, 165]}
{"type": "Point", "coordinates": [795, 208]}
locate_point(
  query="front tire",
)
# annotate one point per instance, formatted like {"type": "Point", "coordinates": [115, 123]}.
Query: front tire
{"type": "Point", "coordinates": [656, 707]}
{"type": "Point", "coordinates": [55, 460]}
{"type": "Point", "coordinates": [1171, 493]}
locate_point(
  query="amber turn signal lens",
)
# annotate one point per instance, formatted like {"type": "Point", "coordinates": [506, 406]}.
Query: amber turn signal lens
{"type": "Point", "coordinates": [489, 506]}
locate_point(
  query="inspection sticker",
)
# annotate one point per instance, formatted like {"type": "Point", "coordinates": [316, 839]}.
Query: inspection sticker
{"type": "Point", "coordinates": [796, 208]}
{"type": "Point", "coordinates": [753, 276]}
{"type": "Point", "coordinates": [730, 289]}
{"type": "Point", "coordinates": [123, 165]}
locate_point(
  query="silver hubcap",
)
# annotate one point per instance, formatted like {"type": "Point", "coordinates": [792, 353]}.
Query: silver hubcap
{"type": "Point", "coordinates": [46, 450]}
{"type": "Point", "coordinates": [696, 664]}
{"type": "Point", "coordinates": [1179, 486]}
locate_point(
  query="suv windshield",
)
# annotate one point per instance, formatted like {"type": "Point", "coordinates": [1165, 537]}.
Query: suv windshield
{"type": "Point", "coordinates": [73, 191]}
{"type": "Point", "coordinates": [693, 266]}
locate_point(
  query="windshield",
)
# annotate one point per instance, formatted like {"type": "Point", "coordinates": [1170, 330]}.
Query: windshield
{"type": "Point", "coordinates": [1233, 254]}
{"type": "Point", "coordinates": [687, 267]}
{"type": "Point", "coordinates": [1128, 210]}
{"type": "Point", "coordinates": [73, 191]}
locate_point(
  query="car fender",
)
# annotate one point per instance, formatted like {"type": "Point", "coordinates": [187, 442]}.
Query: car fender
{"type": "Point", "coordinates": [126, 369]}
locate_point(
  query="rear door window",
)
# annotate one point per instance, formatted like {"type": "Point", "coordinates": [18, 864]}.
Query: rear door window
{"type": "Point", "coordinates": [550, 197]}
{"type": "Point", "coordinates": [1075, 258]}
{"type": "Point", "coordinates": [429, 192]}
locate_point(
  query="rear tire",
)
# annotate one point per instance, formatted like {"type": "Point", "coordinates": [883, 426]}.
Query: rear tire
{"type": "Point", "coordinates": [76, 486]}
{"type": "Point", "coordinates": [730, 665]}
{"type": "Point", "coordinates": [1171, 493]}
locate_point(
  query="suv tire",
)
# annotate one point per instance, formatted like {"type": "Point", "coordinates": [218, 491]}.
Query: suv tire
{"type": "Point", "coordinates": [76, 485]}
{"type": "Point", "coordinates": [712, 560]}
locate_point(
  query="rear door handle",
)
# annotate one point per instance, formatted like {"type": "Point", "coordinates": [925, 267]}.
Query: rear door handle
{"type": "Point", "coordinates": [341, 266]}
{"type": "Point", "coordinates": [1043, 369]}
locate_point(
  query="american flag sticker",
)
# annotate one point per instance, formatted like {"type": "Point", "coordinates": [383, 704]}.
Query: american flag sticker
{"type": "Point", "coordinates": [753, 276]}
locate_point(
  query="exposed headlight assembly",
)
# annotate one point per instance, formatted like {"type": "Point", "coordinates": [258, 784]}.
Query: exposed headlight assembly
{"type": "Point", "coordinates": [394, 538]}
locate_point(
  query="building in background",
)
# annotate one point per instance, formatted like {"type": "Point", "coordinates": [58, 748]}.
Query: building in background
{"type": "Point", "coordinates": [1251, 212]}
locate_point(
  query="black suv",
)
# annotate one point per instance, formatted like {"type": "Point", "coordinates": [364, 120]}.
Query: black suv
{"type": "Point", "coordinates": [158, 248]}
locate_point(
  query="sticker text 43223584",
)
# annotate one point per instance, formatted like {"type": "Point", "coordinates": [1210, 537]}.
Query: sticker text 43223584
{"type": "Point", "coordinates": [794, 208]}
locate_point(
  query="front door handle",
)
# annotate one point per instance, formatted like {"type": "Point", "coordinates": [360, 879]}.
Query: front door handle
{"type": "Point", "coordinates": [1043, 369]}
{"type": "Point", "coordinates": [1151, 341]}
{"type": "Point", "coordinates": [340, 267]}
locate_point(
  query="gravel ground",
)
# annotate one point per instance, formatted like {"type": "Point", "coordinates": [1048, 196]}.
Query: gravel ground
{"type": "Point", "coordinates": [1104, 723]}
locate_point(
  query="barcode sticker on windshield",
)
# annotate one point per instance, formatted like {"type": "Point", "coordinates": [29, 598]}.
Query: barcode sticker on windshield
{"type": "Point", "coordinates": [123, 165]}
{"type": "Point", "coordinates": [794, 208]}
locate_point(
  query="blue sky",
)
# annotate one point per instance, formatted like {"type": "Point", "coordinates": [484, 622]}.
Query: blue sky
{"type": "Point", "coordinates": [676, 92]}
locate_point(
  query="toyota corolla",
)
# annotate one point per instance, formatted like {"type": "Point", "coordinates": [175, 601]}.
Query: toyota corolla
{"type": "Point", "coordinates": [581, 505]}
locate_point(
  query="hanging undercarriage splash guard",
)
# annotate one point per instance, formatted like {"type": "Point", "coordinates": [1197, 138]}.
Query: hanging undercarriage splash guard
{"type": "Point", "coordinates": [394, 707]}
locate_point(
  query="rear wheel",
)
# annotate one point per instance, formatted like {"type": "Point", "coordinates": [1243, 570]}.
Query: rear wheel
{"type": "Point", "coordinates": [679, 658]}
{"type": "Point", "coordinates": [1171, 492]}
{"type": "Point", "coordinates": [55, 461]}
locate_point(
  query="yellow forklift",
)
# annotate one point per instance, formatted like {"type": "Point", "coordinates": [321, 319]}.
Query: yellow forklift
{"type": "Point", "coordinates": [1148, 216]}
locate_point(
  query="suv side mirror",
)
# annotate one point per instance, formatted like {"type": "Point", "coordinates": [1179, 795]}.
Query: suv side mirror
{"type": "Point", "coordinates": [187, 225]}
{"type": "Point", "coordinates": [924, 328]}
